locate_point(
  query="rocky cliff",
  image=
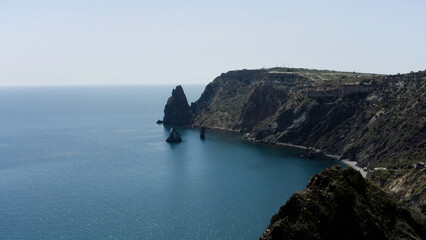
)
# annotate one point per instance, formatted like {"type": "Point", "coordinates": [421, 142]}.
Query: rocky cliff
{"type": "Point", "coordinates": [376, 120]}
{"type": "Point", "coordinates": [341, 204]}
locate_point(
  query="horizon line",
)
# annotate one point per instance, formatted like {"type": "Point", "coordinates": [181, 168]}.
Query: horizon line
{"type": "Point", "coordinates": [100, 85]}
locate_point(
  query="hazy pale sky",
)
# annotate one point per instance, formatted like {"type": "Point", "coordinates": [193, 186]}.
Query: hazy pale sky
{"type": "Point", "coordinates": [64, 42]}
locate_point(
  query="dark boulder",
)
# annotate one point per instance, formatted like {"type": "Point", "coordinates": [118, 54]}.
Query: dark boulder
{"type": "Point", "coordinates": [174, 136]}
{"type": "Point", "coordinates": [159, 122]}
{"type": "Point", "coordinates": [177, 111]}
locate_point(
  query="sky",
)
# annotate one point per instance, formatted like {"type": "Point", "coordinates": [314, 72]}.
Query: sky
{"type": "Point", "coordinates": [84, 42]}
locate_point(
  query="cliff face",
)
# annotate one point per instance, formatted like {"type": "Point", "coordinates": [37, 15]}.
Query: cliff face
{"type": "Point", "coordinates": [404, 184]}
{"type": "Point", "coordinates": [262, 103]}
{"type": "Point", "coordinates": [222, 102]}
{"type": "Point", "coordinates": [176, 111]}
{"type": "Point", "coordinates": [376, 120]}
{"type": "Point", "coordinates": [240, 100]}
{"type": "Point", "coordinates": [341, 204]}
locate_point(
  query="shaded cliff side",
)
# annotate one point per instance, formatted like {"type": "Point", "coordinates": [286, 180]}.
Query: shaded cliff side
{"type": "Point", "coordinates": [376, 120]}
{"type": "Point", "coordinates": [341, 204]}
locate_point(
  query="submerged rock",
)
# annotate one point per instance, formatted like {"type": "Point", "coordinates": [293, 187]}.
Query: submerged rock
{"type": "Point", "coordinates": [203, 133]}
{"type": "Point", "coordinates": [177, 111]}
{"type": "Point", "coordinates": [159, 122]}
{"type": "Point", "coordinates": [174, 136]}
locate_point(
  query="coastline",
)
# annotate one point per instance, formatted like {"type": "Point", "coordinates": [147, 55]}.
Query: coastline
{"type": "Point", "coordinates": [347, 162]}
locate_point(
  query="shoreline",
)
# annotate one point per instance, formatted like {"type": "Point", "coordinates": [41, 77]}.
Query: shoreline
{"type": "Point", "coordinates": [347, 162]}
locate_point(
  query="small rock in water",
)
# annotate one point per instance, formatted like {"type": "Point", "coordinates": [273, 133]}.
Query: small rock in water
{"type": "Point", "coordinates": [174, 136]}
{"type": "Point", "coordinates": [203, 133]}
{"type": "Point", "coordinates": [159, 122]}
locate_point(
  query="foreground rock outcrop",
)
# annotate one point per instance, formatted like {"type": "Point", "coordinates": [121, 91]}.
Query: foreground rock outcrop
{"type": "Point", "coordinates": [341, 204]}
{"type": "Point", "coordinates": [176, 111]}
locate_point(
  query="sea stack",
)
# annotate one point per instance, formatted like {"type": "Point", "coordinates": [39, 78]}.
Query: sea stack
{"type": "Point", "coordinates": [174, 136]}
{"type": "Point", "coordinates": [177, 111]}
{"type": "Point", "coordinates": [203, 133]}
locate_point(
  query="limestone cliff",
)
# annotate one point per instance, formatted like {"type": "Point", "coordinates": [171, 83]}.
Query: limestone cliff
{"type": "Point", "coordinates": [341, 204]}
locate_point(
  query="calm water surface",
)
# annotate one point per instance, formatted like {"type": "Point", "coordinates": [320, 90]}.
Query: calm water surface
{"type": "Point", "coordinates": [90, 163]}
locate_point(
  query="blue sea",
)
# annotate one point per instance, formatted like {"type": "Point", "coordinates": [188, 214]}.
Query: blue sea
{"type": "Point", "coordinates": [91, 163]}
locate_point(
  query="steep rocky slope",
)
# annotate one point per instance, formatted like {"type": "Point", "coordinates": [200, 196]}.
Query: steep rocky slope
{"type": "Point", "coordinates": [341, 204]}
{"type": "Point", "coordinates": [376, 120]}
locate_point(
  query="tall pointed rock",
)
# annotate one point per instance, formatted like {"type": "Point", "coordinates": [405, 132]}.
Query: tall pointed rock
{"type": "Point", "coordinates": [177, 111]}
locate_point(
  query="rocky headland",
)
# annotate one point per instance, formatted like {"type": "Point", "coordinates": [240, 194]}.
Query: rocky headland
{"type": "Point", "coordinates": [376, 121]}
